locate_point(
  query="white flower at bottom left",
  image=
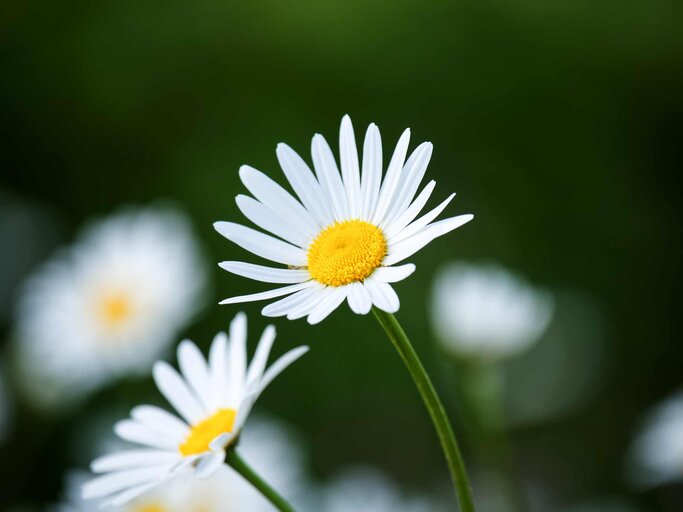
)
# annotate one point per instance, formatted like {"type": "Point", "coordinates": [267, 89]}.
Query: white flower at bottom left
{"type": "Point", "coordinates": [213, 397]}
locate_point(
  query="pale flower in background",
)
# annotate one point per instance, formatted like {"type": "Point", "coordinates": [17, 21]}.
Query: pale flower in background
{"type": "Point", "coordinates": [213, 397]}
{"type": "Point", "coordinates": [484, 311]}
{"type": "Point", "coordinates": [343, 236]}
{"type": "Point", "coordinates": [366, 489]}
{"type": "Point", "coordinates": [656, 456]}
{"type": "Point", "coordinates": [109, 305]}
{"type": "Point", "coordinates": [270, 449]}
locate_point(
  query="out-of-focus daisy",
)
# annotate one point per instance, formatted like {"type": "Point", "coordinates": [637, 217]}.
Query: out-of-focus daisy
{"type": "Point", "coordinates": [656, 456]}
{"type": "Point", "coordinates": [268, 446]}
{"type": "Point", "coordinates": [367, 489]}
{"type": "Point", "coordinates": [484, 311]}
{"type": "Point", "coordinates": [214, 399]}
{"type": "Point", "coordinates": [109, 305]}
{"type": "Point", "coordinates": [345, 234]}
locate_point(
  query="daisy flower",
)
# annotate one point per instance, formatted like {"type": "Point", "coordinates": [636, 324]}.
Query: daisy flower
{"type": "Point", "coordinates": [344, 234]}
{"type": "Point", "coordinates": [484, 311]}
{"type": "Point", "coordinates": [213, 398]}
{"type": "Point", "coordinates": [270, 448]}
{"type": "Point", "coordinates": [656, 456]}
{"type": "Point", "coordinates": [109, 305]}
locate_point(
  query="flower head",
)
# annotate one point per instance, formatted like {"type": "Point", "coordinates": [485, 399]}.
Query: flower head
{"type": "Point", "coordinates": [656, 456]}
{"type": "Point", "coordinates": [213, 398]}
{"type": "Point", "coordinates": [342, 236]}
{"type": "Point", "coordinates": [484, 311]}
{"type": "Point", "coordinates": [108, 305]}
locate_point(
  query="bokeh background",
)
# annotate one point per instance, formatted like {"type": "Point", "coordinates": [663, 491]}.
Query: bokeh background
{"type": "Point", "coordinates": [558, 125]}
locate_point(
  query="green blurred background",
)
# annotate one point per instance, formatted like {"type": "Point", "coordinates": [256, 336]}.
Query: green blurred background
{"type": "Point", "coordinates": [557, 123]}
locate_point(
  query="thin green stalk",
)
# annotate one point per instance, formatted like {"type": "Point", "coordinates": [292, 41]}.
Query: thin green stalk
{"type": "Point", "coordinates": [433, 403]}
{"type": "Point", "coordinates": [238, 464]}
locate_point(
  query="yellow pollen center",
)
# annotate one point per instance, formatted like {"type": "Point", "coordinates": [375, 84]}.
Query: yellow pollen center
{"type": "Point", "coordinates": [206, 431]}
{"type": "Point", "coordinates": [150, 507]}
{"type": "Point", "coordinates": [115, 309]}
{"type": "Point", "coordinates": [346, 252]}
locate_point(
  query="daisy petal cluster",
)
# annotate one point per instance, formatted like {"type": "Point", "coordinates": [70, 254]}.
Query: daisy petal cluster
{"type": "Point", "coordinates": [213, 398]}
{"type": "Point", "coordinates": [347, 231]}
{"type": "Point", "coordinates": [109, 305]}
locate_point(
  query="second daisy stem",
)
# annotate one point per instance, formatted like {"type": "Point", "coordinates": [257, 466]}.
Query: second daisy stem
{"type": "Point", "coordinates": [436, 410]}
{"type": "Point", "coordinates": [238, 464]}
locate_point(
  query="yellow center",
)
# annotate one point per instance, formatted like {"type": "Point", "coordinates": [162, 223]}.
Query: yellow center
{"type": "Point", "coordinates": [206, 431]}
{"type": "Point", "coordinates": [150, 507]}
{"type": "Point", "coordinates": [346, 252]}
{"type": "Point", "coordinates": [115, 309]}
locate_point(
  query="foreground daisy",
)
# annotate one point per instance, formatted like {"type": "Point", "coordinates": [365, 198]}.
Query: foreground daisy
{"type": "Point", "coordinates": [109, 305]}
{"type": "Point", "coordinates": [486, 312]}
{"type": "Point", "coordinates": [656, 456]}
{"type": "Point", "coordinates": [213, 399]}
{"type": "Point", "coordinates": [343, 235]}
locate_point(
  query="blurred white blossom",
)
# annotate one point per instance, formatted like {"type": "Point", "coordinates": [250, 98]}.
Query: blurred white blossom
{"type": "Point", "coordinates": [107, 306]}
{"type": "Point", "coordinates": [484, 311]}
{"type": "Point", "coordinates": [267, 446]}
{"type": "Point", "coordinates": [656, 455]}
{"type": "Point", "coordinates": [364, 488]}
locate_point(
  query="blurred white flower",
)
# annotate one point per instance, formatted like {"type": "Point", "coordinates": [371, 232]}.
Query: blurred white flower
{"type": "Point", "coordinates": [367, 489]}
{"type": "Point", "coordinates": [656, 455]}
{"type": "Point", "coordinates": [484, 311]}
{"type": "Point", "coordinates": [109, 305]}
{"type": "Point", "coordinates": [268, 446]}
{"type": "Point", "coordinates": [213, 397]}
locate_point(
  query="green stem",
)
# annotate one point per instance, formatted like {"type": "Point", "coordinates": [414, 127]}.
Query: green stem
{"type": "Point", "coordinates": [436, 411]}
{"type": "Point", "coordinates": [238, 464]}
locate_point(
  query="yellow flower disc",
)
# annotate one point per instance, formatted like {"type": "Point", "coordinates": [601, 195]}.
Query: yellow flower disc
{"type": "Point", "coordinates": [115, 309]}
{"type": "Point", "coordinates": [346, 252]}
{"type": "Point", "coordinates": [206, 431]}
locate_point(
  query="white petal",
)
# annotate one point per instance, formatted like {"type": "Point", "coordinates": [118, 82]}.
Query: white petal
{"type": "Point", "coordinates": [238, 355]}
{"type": "Point", "coordinates": [304, 184]}
{"type": "Point", "coordinates": [278, 366]}
{"type": "Point", "coordinates": [218, 366]}
{"type": "Point", "coordinates": [413, 211]}
{"type": "Point", "coordinates": [265, 274]}
{"type": "Point", "coordinates": [410, 246]}
{"type": "Point", "coordinates": [270, 294]}
{"type": "Point", "coordinates": [221, 441]}
{"type": "Point", "coordinates": [132, 431]}
{"type": "Point", "coordinates": [329, 177]}
{"type": "Point", "coordinates": [420, 223]}
{"type": "Point", "coordinates": [306, 306]}
{"type": "Point", "coordinates": [383, 295]}
{"type": "Point", "coordinates": [262, 245]}
{"type": "Point", "coordinates": [128, 495]}
{"type": "Point", "coordinates": [119, 480]}
{"type": "Point", "coordinates": [284, 306]}
{"type": "Point", "coordinates": [359, 298]}
{"type": "Point", "coordinates": [196, 372]}
{"type": "Point", "coordinates": [332, 302]}
{"type": "Point", "coordinates": [156, 418]}
{"type": "Point", "coordinates": [258, 362]}
{"type": "Point", "coordinates": [133, 458]}
{"type": "Point", "coordinates": [393, 274]}
{"type": "Point", "coordinates": [348, 155]}
{"type": "Point", "coordinates": [371, 177]}
{"type": "Point", "coordinates": [271, 221]}
{"type": "Point", "coordinates": [392, 177]}
{"type": "Point", "coordinates": [278, 199]}
{"type": "Point", "coordinates": [209, 464]}
{"type": "Point", "coordinates": [412, 175]}
{"type": "Point", "coordinates": [176, 391]}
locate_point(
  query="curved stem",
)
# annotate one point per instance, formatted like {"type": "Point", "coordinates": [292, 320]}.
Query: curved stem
{"type": "Point", "coordinates": [433, 403]}
{"type": "Point", "coordinates": [238, 464]}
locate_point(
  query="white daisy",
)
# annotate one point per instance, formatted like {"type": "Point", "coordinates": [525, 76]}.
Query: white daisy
{"type": "Point", "coordinates": [342, 238]}
{"type": "Point", "coordinates": [214, 399]}
{"type": "Point", "coordinates": [109, 305]}
{"type": "Point", "coordinates": [367, 489]}
{"type": "Point", "coordinates": [656, 456]}
{"type": "Point", "coordinates": [271, 451]}
{"type": "Point", "coordinates": [484, 311]}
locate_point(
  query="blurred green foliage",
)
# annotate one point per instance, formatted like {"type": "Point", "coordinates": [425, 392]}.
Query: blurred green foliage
{"type": "Point", "coordinates": [557, 123]}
